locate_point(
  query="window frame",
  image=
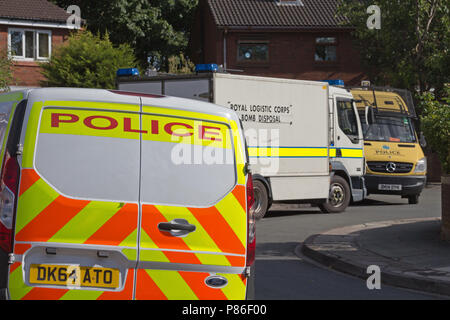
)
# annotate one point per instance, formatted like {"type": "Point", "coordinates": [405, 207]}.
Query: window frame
{"type": "Point", "coordinates": [36, 33]}
{"type": "Point", "coordinates": [335, 44]}
{"type": "Point", "coordinates": [351, 136]}
{"type": "Point", "coordinates": [253, 42]}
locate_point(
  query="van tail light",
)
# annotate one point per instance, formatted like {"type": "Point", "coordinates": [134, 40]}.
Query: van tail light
{"type": "Point", "coordinates": [8, 196]}
{"type": "Point", "coordinates": [251, 222]}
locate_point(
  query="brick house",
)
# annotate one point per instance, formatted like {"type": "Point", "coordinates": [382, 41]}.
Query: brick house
{"type": "Point", "coordinates": [299, 39]}
{"type": "Point", "coordinates": [30, 30]}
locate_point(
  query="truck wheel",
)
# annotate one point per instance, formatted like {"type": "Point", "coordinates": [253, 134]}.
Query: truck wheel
{"type": "Point", "coordinates": [261, 199]}
{"type": "Point", "coordinates": [339, 196]}
{"type": "Point", "coordinates": [414, 199]}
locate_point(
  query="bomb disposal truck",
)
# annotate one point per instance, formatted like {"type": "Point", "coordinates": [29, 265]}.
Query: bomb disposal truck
{"type": "Point", "coordinates": [304, 138]}
{"type": "Point", "coordinates": [395, 161]}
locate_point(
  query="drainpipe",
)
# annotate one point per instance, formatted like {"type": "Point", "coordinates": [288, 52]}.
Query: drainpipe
{"type": "Point", "coordinates": [225, 31]}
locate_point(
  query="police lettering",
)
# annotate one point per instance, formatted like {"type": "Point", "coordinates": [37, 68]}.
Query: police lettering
{"type": "Point", "coordinates": [100, 122]}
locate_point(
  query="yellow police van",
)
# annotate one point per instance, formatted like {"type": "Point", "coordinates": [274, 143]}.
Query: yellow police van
{"type": "Point", "coordinates": [395, 162]}
{"type": "Point", "coordinates": [117, 195]}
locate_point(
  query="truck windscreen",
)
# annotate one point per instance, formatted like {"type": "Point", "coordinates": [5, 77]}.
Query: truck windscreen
{"type": "Point", "coordinates": [389, 129]}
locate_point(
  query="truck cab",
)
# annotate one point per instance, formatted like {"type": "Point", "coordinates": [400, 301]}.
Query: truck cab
{"type": "Point", "coordinates": [395, 162]}
{"type": "Point", "coordinates": [346, 151]}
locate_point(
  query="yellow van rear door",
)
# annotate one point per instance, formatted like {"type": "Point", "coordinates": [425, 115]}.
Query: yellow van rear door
{"type": "Point", "coordinates": [77, 215]}
{"type": "Point", "coordinates": [193, 217]}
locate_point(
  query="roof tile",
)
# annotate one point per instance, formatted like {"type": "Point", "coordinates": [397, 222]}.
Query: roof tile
{"type": "Point", "coordinates": [269, 13]}
{"type": "Point", "coordinates": [36, 10]}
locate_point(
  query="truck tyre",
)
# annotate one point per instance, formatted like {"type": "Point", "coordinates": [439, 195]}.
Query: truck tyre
{"type": "Point", "coordinates": [414, 199]}
{"type": "Point", "coordinates": [261, 199]}
{"type": "Point", "coordinates": [339, 196]}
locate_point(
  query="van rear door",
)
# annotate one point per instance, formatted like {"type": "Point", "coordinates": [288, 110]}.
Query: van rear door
{"type": "Point", "coordinates": [77, 214]}
{"type": "Point", "coordinates": [193, 208]}
{"type": "Point", "coordinates": [8, 107]}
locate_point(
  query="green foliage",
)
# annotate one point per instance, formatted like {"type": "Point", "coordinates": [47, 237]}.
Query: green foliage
{"type": "Point", "coordinates": [180, 64]}
{"type": "Point", "coordinates": [87, 61]}
{"type": "Point", "coordinates": [411, 50]}
{"type": "Point", "coordinates": [6, 75]}
{"type": "Point", "coordinates": [155, 29]}
{"type": "Point", "coordinates": [436, 125]}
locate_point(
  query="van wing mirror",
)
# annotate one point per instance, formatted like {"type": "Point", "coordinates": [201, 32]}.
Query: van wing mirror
{"type": "Point", "coordinates": [422, 140]}
{"type": "Point", "coordinates": [370, 115]}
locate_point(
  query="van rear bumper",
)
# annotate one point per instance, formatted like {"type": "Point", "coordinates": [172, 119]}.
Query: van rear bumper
{"type": "Point", "coordinates": [411, 185]}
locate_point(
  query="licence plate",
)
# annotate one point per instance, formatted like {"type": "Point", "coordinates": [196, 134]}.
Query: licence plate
{"type": "Point", "coordinates": [74, 276]}
{"type": "Point", "coordinates": [390, 187]}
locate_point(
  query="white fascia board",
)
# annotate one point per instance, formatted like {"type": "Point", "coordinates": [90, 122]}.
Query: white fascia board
{"type": "Point", "coordinates": [38, 24]}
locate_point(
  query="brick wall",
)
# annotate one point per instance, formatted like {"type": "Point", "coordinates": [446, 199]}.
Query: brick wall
{"type": "Point", "coordinates": [291, 54]}
{"type": "Point", "coordinates": [28, 73]}
{"type": "Point", "coordinates": [434, 167]}
{"type": "Point", "coordinates": [445, 203]}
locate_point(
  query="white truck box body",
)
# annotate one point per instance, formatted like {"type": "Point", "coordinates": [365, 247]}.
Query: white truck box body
{"type": "Point", "coordinates": [288, 117]}
{"type": "Point", "coordinates": [285, 114]}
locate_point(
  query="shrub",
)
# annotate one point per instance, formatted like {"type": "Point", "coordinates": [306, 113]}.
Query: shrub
{"type": "Point", "coordinates": [179, 64]}
{"type": "Point", "coordinates": [436, 125]}
{"type": "Point", "coordinates": [6, 74]}
{"type": "Point", "coordinates": [87, 61]}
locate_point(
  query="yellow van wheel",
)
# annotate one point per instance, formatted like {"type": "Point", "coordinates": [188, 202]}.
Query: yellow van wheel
{"type": "Point", "coordinates": [414, 199]}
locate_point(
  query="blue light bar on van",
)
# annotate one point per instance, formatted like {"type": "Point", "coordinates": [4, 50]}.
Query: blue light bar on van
{"type": "Point", "coordinates": [127, 72]}
{"type": "Point", "coordinates": [207, 67]}
{"type": "Point", "coordinates": [335, 82]}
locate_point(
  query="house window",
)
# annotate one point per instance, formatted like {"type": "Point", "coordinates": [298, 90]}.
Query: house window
{"type": "Point", "coordinates": [251, 51]}
{"type": "Point", "coordinates": [326, 49]}
{"type": "Point", "coordinates": [29, 44]}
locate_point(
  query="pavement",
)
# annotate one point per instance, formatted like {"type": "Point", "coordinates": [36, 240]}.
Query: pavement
{"type": "Point", "coordinates": [409, 252]}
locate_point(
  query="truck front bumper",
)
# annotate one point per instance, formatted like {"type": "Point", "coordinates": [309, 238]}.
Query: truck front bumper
{"type": "Point", "coordinates": [411, 185]}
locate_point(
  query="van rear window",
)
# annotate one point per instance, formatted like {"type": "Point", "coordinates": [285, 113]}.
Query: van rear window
{"type": "Point", "coordinates": [196, 167]}
{"type": "Point", "coordinates": [120, 156]}
{"type": "Point", "coordinates": [85, 154]}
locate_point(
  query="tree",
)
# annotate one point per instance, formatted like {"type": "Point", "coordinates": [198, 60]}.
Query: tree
{"type": "Point", "coordinates": [436, 125]}
{"type": "Point", "coordinates": [411, 50]}
{"type": "Point", "coordinates": [179, 64]}
{"type": "Point", "coordinates": [87, 61]}
{"type": "Point", "coordinates": [6, 74]}
{"type": "Point", "coordinates": [155, 29]}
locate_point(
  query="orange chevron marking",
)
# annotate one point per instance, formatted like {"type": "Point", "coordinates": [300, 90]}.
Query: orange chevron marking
{"type": "Point", "coordinates": [117, 228]}
{"type": "Point", "coordinates": [21, 248]}
{"type": "Point", "coordinates": [146, 288]}
{"type": "Point", "coordinates": [240, 193]}
{"type": "Point", "coordinates": [218, 229]}
{"type": "Point", "coordinates": [28, 178]}
{"type": "Point", "coordinates": [236, 261]}
{"type": "Point", "coordinates": [150, 219]}
{"type": "Point", "coordinates": [125, 294]}
{"type": "Point", "coordinates": [51, 219]}
{"type": "Point", "coordinates": [196, 282]}
{"type": "Point", "coordinates": [14, 266]}
{"type": "Point", "coordinates": [38, 293]}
